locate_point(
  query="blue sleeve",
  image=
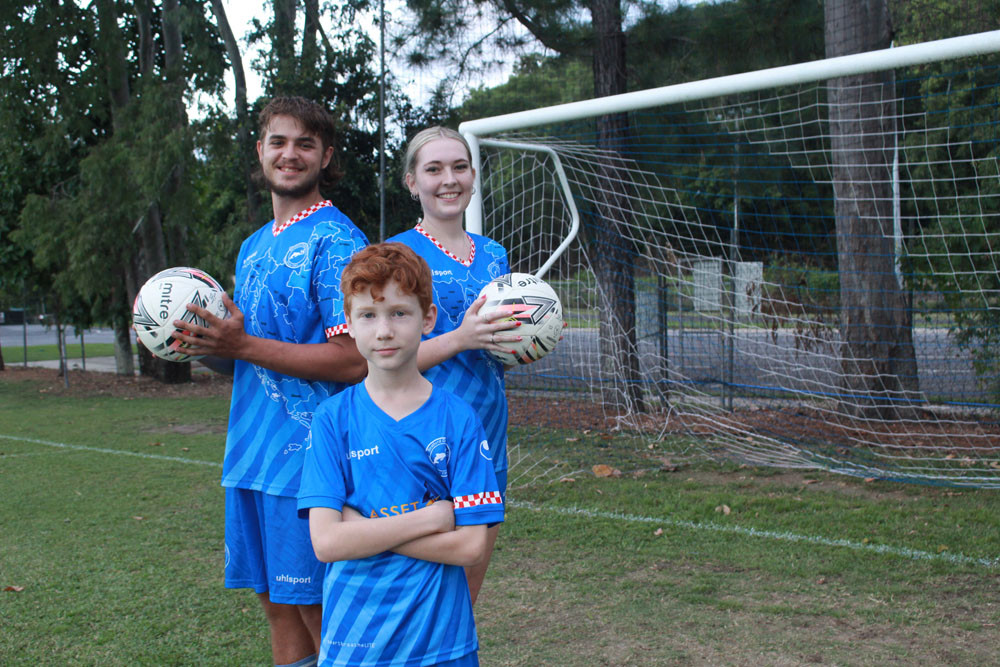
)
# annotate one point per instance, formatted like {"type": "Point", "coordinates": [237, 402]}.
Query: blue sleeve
{"type": "Point", "coordinates": [238, 286]}
{"type": "Point", "coordinates": [340, 241]}
{"type": "Point", "coordinates": [324, 474]}
{"type": "Point", "coordinates": [474, 487]}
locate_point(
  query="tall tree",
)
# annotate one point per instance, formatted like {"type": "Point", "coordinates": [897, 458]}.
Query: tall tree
{"type": "Point", "coordinates": [878, 365]}
{"type": "Point", "coordinates": [614, 255]}
{"type": "Point", "coordinates": [110, 79]}
{"type": "Point", "coordinates": [163, 243]}
{"type": "Point", "coordinates": [244, 123]}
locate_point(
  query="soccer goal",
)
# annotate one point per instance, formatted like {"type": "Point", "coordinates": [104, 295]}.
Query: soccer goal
{"type": "Point", "coordinates": [796, 267]}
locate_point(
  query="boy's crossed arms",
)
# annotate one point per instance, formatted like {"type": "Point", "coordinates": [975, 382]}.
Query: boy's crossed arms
{"type": "Point", "coordinates": [428, 533]}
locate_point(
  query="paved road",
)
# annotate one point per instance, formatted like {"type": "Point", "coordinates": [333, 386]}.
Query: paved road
{"type": "Point", "coordinates": [13, 335]}
{"type": "Point", "coordinates": [762, 362]}
{"type": "Point", "coordinates": [761, 359]}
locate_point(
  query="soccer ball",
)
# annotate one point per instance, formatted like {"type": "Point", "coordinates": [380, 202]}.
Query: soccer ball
{"type": "Point", "coordinates": [163, 299]}
{"type": "Point", "coordinates": [535, 305]}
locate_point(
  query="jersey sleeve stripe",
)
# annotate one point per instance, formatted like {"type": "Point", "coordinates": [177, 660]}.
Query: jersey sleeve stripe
{"type": "Point", "coordinates": [477, 499]}
{"type": "Point", "coordinates": [336, 331]}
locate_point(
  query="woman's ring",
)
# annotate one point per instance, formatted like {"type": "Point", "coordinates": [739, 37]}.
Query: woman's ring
{"type": "Point", "coordinates": [493, 338]}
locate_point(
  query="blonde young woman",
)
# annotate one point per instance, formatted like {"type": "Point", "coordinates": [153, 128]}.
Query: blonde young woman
{"type": "Point", "coordinates": [454, 356]}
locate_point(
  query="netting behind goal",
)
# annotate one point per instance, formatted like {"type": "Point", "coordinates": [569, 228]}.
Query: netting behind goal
{"type": "Point", "coordinates": [805, 276]}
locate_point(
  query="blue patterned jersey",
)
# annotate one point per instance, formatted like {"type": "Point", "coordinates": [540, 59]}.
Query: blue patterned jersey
{"type": "Point", "coordinates": [390, 609]}
{"type": "Point", "coordinates": [288, 287]}
{"type": "Point", "coordinates": [472, 375]}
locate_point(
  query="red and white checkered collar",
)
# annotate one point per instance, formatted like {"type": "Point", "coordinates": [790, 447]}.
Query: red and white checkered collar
{"type": "Point", "coordinates": [463, 262]}
{"type": "Point", "coordinates": [301, 215]}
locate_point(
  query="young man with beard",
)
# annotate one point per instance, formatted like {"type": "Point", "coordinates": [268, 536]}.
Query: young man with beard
{"type": "Point", "coordinates": [287, 343]}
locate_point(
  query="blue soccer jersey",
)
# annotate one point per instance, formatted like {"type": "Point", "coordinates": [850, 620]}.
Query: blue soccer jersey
{"type": "Point", "coordinates": [472, 375]}
{"type": "Point", "coordinates": [390, 609]}
{"type": "Point", "coordinates": [288, 288]}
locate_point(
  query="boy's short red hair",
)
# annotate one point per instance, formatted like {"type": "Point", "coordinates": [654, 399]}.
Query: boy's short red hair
{"type": "Point", "coordinates": [376, 265]}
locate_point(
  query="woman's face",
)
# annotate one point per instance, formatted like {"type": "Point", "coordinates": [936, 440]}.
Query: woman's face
{"type": "Point", "coordinates": [443, 178]}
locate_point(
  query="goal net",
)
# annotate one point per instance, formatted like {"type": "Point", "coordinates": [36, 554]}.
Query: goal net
{"type": "Point", "coordinates": [799, 275]}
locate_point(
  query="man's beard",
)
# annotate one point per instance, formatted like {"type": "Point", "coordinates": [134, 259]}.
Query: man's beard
{"type": "Point", "coordinates": [292, 192]}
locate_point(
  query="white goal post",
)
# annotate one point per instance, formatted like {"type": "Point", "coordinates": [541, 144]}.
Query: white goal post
{"type": "Point", "coordinates": [739, 321]}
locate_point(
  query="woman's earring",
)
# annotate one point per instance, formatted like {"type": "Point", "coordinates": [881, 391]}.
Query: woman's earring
{"type": "Point", "coordinates": [473, 189]}
{"type": "Point", "coordinates": [414, 196]}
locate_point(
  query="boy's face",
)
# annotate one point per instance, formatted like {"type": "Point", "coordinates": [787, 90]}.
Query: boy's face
{"type": "Point", "coordinates": [388, 331]}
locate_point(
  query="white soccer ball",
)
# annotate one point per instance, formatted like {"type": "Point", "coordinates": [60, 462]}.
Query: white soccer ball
{"type": "Point", "coordinates": [535, 305]}
{"type": "Point", "coordinates": [163, 299]}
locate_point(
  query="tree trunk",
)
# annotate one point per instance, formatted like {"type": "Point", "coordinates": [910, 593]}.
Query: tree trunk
{"type": "Point", "coordinates": [162, 244]}
{"type": "Point", "coordinates": [172, 43]}
{"type": "Point", "coordinates": [119, 94]}
{"type": "Point", "coordinates": [284, 46]}
{"type": "Point", "coordinates": [310, 43]}
{"type": "Point", "coordinates": [148, 263]}
{"type": "Point", "coordinates": [123, 288]}
{"type": "Point", "coordinates": [878, 365]}
{"type": "Point", "coordinates": [614, 253]}
{"type": "Point", "coordinates": [144, 24]}
{"type": "Point", "coordinates": [124, 362]}
{"type": "Point", "coordinates": [174, 235]}
{"type": "Point", "coordinates": [113, 54]}
{"type": "Point", "coordinates": [244, 124]}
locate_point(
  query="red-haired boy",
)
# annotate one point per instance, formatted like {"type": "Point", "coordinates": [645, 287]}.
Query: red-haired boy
{"type": "Point", "coordinates": [399, 484]}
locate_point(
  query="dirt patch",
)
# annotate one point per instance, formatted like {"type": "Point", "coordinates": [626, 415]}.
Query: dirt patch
{"type": "Point", "coordinates": [534, 409]}
{"type": "Point", "coordinates": [954, 433]}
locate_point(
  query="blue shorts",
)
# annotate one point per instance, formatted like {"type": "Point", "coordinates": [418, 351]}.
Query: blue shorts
{"type": "Point", "coordinates": [269, 550]}
{"type": "Point", "coordinates": [468, 660]}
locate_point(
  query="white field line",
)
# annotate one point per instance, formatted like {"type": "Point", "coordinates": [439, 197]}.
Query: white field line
{"type": "Point", "coordinates": [902, 552]}
{"type": "Point", "coordinates": [101, 450]}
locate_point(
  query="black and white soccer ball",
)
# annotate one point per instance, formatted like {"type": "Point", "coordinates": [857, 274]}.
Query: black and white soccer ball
{"type": "Point", "coordinates": [535, 305]}
{"type": "Point", "coordinates": [163, 299]}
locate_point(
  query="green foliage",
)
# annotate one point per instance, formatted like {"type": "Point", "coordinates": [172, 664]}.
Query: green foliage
{"type": "Point", "coordinates": [94, 166]}
{"type": "Point", "coordinates": [46, 52]}
{"type": "Point", "coordinates": [689, 42]}
{"type": "Point", "coordinates": [219, 193]}
{"type": "Point", "coordinates": [536, 82]}
{"type": "Point", "coordinates": [77, 192]}
{"type": "Point", "coordinates": [916, 21]}
{"type": "Point", "coordinates": [953, 191]}
{"type": "Point", "coordinates": [81, 234]}
{"type": "Point", "coordinates": [698, 153]}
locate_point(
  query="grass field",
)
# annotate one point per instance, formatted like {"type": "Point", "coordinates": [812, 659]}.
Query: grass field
{"type": "Point", "coordinates": [112, 553]}
{"type": "Point", "coordinates": [74, 351]}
